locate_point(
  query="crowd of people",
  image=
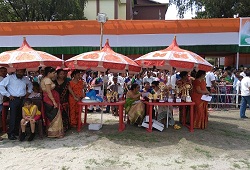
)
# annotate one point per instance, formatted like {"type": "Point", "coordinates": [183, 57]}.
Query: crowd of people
{"type": "Point", "coordinates": [61, 89]}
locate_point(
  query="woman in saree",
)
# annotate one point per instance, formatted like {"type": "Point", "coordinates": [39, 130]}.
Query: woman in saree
{"type": "Point", "coordinates": [76, 86]}
{"type": "Point", "coordinates": [184, 79]}
{"type": "Point", "coordinates": [201, 107]}
{"type": "Point", "coordinates": [62, 85]}
{"type": "Point", "coordinates": [134, 108]}
{"type": "Point", "coordinates": [51, 101]}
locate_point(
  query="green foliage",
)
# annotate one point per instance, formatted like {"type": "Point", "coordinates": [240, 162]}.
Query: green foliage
{"type": "Point", "coordinates": [41, 10]}
{"type": "Point", "coordinates": [213, 8]}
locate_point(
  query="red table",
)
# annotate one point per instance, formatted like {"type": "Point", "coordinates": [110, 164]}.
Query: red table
{"type": "Point", "coordinates": [150, 105]}
{"type": "Point", "coordinates": [120, 105]}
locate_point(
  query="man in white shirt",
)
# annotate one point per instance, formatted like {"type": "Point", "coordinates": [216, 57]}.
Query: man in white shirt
{"type": "Point", "coordinates": [148, 78]}
{"type": "Point", "coordinates": [121, 79]}
{"type": "Point", "coordinates": [210, 80]}
{"type": "Point", "coordinates": [171, 80]}
{"type": "Point", "coordinates": [14, 86]}
{"type": "Point", "coordinates": [243, 73]}
{"type": "Point", "coordinates": [245, 94]}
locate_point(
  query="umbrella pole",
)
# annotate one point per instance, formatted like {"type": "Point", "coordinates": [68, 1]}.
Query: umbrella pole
{"type": "Point", "coordinates": [101, 38]}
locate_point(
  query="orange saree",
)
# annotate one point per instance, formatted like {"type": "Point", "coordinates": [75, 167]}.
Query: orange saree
{"type": "Point", "coordinates": [73, 107]}
{"type": "Point", "coordinates": [200, 108]}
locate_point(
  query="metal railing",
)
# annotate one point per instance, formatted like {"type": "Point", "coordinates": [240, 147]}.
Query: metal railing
{"type": "Point", "coordinates": [226, 97]}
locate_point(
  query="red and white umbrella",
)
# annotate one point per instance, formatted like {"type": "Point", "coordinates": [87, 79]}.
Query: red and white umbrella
{"type": "Point", "coordinates": [174, 56]}
{"type": "Point", "coordinates": [26, 57]}
{"type": "Point", "coordinates": [103, 60]}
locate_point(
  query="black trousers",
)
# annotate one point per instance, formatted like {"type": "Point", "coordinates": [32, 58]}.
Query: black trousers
{"type": "Point", "coordinates": [15, 115]}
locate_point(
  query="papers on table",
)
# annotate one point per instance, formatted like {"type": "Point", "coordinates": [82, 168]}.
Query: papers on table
{"type": "Point", "coordinates": [206, 98]}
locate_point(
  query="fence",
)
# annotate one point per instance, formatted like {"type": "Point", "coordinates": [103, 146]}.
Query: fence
{"type": "Point", "coordinates": [225, 97]}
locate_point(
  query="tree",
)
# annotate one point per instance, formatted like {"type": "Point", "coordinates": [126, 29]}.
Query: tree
{"type": "Point", "coordinates": [213, 8]}
{"type": "Point", "coordinates": [41, 10]}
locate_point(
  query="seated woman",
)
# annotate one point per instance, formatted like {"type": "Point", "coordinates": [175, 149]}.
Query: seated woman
{"type": "Point", "coordinates": [200, 107]}
{"type": "Point", "coordinates": [133, 106]}
{"type": "Point", "coordinates": [30, 115]}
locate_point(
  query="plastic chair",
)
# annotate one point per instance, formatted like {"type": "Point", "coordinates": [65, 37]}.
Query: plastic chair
{"type": "Point", "coordinates": [39, 123]}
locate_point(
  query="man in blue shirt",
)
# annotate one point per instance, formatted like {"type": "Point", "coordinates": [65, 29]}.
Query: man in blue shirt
{"type": "Point", "coordinates": [16, 87]}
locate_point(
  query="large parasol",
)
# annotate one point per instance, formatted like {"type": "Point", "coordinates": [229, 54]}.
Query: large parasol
{"type": "Point", "coordinates": [174, 56]}
{"type": "Point", "coordinates": [103, 60]}
{"type": "Point", "coordinates": [26, 57]}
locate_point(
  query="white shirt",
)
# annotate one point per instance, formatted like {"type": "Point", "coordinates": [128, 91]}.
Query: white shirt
{"type": "Point", "coordinates": [238, 88]}
{"type": "Point", "coordinates": [84, 77]}
{"type": "Point", "coordinates": [245, 84]}
{"type": "Point", "coordinates": [15, 87]}
{"type": "Point", "coordinates": [148, 79]}
{"type": "Point", "coordinates": [1, 96]}
{"type": "Point", "coordinates": [209, 78]}
{"type": "Point", "coordinates": [243, 74]}
{"type": "Point", "coordinates": [121, 80]}
{"type": "Point", "coordinates": [172, 81]}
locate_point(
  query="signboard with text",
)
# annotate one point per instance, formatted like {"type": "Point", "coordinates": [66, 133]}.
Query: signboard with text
{"type": "Point", "coordinates": [244, 34]}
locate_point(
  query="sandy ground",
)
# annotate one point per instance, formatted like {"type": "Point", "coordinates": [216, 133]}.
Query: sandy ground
{"type": "Point", "coordinates": [224, 145]}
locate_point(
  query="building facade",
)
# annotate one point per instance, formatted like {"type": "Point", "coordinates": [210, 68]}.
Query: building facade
{"type": "Point", "coordinates": [126, 9]}
{"type": "Point", "coordinates": [206, 37]}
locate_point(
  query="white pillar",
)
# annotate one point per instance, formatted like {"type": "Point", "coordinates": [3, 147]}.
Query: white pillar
{"type": "Point", "coordinates": [237, 60]}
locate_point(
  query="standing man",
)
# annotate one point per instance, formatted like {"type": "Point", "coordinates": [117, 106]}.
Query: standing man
{"type": "Point", "coordinates": [210, 80]}
{"type": "Point", "coordinates": [245, 94]}
{"type": "Point", "coordinates": [14, 86]}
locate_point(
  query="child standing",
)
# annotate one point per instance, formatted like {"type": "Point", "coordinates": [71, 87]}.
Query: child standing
{"type": "Point", "coordinates": [30, 114]}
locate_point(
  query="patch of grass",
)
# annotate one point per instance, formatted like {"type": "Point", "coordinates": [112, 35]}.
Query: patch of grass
{"type": "Point", "coordinates": [93, 161]}
{"type": "Point", "coordinates": [126, 164]}
{"type": "Point", "coordinates": [75, 148]}
{"type": "Point", "coordinates": [246, 162]}
{"type": "Point", "coordinates": [234, 134]}
{"type": "Point", "coordinates": [203, 166]}
{"type": "Point", "coordinates": [140, 155]}
{"type": "Point", "coordinates": [193, 167]}
{"type": "Point", "coordinates": [204, 152]}
{"type": "Point", "coordinates": [87, 167]}
{"type": "Point", "coordinates": [179, 161]}
{"type": "Point", "coordinates": [64, 145]}
{"type": "Point", "coordinates": [235, 165]}
{"type": "Point", "coordinates": [110, 162]}
{"type": "Point", "coordinates": [65, 168]}
{"type": "Point", "coordinates": [129, 135]}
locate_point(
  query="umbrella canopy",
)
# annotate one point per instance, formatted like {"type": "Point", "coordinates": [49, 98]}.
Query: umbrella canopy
{"type": "Point", "coordinates": [174, 56]}
{"type": "Point", "coordinates": [26, 57]}
{"type": "Point", "coordinates": [103, 60]}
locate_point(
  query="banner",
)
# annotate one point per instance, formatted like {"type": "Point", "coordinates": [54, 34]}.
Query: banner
{"type": "Point", "coordinates": [244, 34]}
